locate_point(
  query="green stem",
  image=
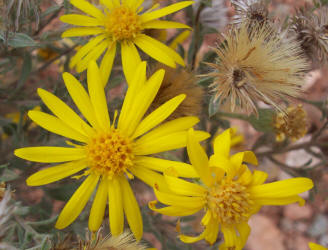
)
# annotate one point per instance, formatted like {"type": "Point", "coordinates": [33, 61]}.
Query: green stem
{"type": "Point", "coordinates": [233, 115]}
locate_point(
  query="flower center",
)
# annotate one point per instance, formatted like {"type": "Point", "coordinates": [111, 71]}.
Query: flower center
{"type": "Point", "coordinates": [229, 202]}
{"type": "Point", "coordinates": [110, 153]}
{"type": "Point", "coordinates": [123, 23]}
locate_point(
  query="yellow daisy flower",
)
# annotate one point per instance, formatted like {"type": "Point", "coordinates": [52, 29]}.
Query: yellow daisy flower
{"type": "Point", "coordinates": [122, 22]}
{"type": "Point", "coordinates": [230, 193]}
{"type": "Point", "coordinates": [108, 152]}
{"type": "Point", "coordinates": [314, 246]}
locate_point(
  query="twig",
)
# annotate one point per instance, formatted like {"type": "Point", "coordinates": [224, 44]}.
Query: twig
{"type": "Point", "coordinates": [44, 66]}
{"type": "Point", "coordinates": [43, 25]}
{"type": "Point", "coordinates": [197, 29]}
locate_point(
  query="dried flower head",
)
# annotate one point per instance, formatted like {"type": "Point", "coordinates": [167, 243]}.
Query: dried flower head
{"type": "Point", "coordinates": [256, 65]}
{"type": "Point", "coordinates": [311, 30]}
{"type": "Point", "coordinates": [252, 11]}
{"type": "Point", "coordinates": [124, 241]}
{"type": "Point", "coordinates": [179, 81]}
{"type": "Point", "coordinates": [291, 124]}
{"type": "Point", "coordinates": [214, 16]}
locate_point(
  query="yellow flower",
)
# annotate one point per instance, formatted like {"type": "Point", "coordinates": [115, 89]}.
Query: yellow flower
{"type": "Point", "coordinates": [230, 193]}
{"type": "Point", "coordinates": [236, 138]}
{"type": "Point", "coordinates": [108, 152]}
{"type": "Point", "coordinates": [292, 123]}
{"type": "Point", "coordinates": [314, 246]}
{"type": "Point", "coordinates": [122, 22]}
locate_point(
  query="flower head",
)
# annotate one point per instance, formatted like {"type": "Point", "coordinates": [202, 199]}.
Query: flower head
{"type": "Point", "coordinates": [291, 123]}
{"type": "Point", "coordinates": [179, 81]}
{"type": "Point", "coordinates": [214, 16]}
{"type": "Point", "coordinates": [256, 65]}
{"type": "Point", "coordinates": [124, 241]}
{"type": "Point", "coordinates": [229, 194]}
{"type": "Point", "coordinates": [311, 29]}
{"type": "Point", "coordinates": [109, 151]}
{"type": "Point", "coordinates": [121, 22]}
{"type": "Point", "coordinates": [251, 11]}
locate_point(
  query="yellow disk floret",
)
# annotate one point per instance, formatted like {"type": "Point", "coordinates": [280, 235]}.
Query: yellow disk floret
{"type": "Point", "coordinates": [123, 23]}
{"type": "Point", "coordinates": [110, 153]}
{"type": "Point", "coordinates": [229, 202]}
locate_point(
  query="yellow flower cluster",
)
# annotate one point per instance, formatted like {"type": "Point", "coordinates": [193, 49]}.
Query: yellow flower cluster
{"type": "Point", "coordinates": [107, 150]}
{"type": "Point", "coordinates": [229, 195]}
{"type": "Point", "coordinates": [291, 124]}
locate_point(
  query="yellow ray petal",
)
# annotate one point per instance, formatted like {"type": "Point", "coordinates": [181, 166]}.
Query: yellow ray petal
{"type": "Point", "coordinates": [116, 215]}
{"type": "Point", "coordinates": [183, 187]}
{"type": "Point", "coordinates": [154, 49]}
{"type": "Point", "coordinates": [160, 24]}
{"type": "Point", "coordinates": [138, 82]}
{"type": "Point", "coordinates": [107, 63]}
{"type": "Point", "coordinates": [165, 143]}
{"type": "Point", "coordinates": [108, 3]}
{"type": "Point", "coordinates": [98, 208]}
{"type": "Point", "coordinates": [131, 210]}
{"type": "Point", "coordinates": [134, 4]}
{"type": "Point", "coordinates": [80, 98]}
{"type": "Point", "coordinates": [82, 31]}
{"type": "Point", "coordinates": [88, 8]}
{"type": "Point", "coordinates": [230, 236]}
{"type": "Point", "coordinates": [150, 177]}
{"type": "Point", "coordinates": [97, 95]}
{"type": "Point", "coordinates": [191, 239]}
{"type": "Point", "coordinates": [172, 210]}
{"type": "Point", "coordinates": [211, 231]}
{"type": "Point", "coordinates": [179, 39]}
{"type": "Point", "coordinates": [198, 158]}
{"type": "Point", "coordinates": [281, 189]}
{"type": "Point", "coordinates": [93, 55]}
{"type": "Point", "coordinates": [314, 246]}
{"type": "Point", "coordinates": [176, 125]}
{"type": "Point", "coordinates": [250, 157]}
{"type": "Point", "coordinates": [55, 125]}
{"type": "Point", "coordinates": [52, 174]}
{"type": "Point", "coordinates": [81, 20]}
{"type": "Point", "coordinates": [77, 202]}
{"type": "Point", "coordinates": [222, 143]}
{"type": "Point", "coordinates": [246, 177]}
{"type": "Point", "coordinates": [86, 49]}
{"type": "Point", "coordinates": [180, 201]}
{"type": "Point", "coordinates": [143, 100]}
{"type": "Point", "coordinates": [146, 17]}
{"type": "Point", "coordinates": [158, 115]}
{"type": "Point", "coordinates": [64, 113]}
{"type": "Point", "coordinates": [280, 201]}
{"type": "Point", "coordinates": [160, 165]}
{"type": "Point", "coordinates": [244, 231]}
{"type": "Point", "coordinates": [50, 154]}
{"type": "Point", "coordinates": [258, 178]}
{"type": "Point", "coordinates": [130, 59]}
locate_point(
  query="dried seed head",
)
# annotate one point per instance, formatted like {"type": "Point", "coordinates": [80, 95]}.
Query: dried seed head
{"type": "Point", "coordinates": [214, 16]}
{"type": "Point", "coordinates": [256, 65]}
{"type": "Point", "coordinates": [291, 124]}
{"type": "Point", "coordinates": [252, 11]}
{"type": "Point", "coordinates": [179, 81]}
{"type": "Point", "coordinates": [124, 241]}
{"type": "Point", "coordinates": [311, 30]}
